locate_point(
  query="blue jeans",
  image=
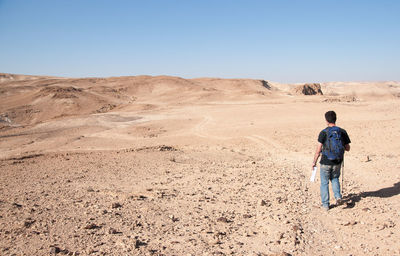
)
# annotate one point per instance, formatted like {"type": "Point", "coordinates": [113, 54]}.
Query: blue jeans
{"type": "Point", "coordinates": [329, 173]}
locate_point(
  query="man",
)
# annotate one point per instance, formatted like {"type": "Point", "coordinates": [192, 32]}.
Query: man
{"type": "Point", "coordinates": [332, 142]}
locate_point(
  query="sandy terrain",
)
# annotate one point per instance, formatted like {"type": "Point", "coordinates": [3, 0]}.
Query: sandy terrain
{"type": "Point", "coordinates": [170, 166]}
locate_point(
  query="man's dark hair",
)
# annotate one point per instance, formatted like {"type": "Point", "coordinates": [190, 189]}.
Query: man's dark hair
{"type": "Point", "coordinates": [330, 117]}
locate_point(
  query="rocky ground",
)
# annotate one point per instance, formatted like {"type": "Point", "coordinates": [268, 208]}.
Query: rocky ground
{"type": "Point", "coordinates": [210, 178]}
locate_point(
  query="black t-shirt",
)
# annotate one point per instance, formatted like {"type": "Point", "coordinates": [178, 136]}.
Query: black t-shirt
{"type": "Point", "coordinates": [322, 139]}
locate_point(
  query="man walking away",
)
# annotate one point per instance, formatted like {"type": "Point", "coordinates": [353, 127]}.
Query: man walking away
{"type": "Point", "coordinates": [332, 142]}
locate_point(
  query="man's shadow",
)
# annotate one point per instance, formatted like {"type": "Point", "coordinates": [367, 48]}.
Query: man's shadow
{"type": "Point", "coordinates": [351, 199]}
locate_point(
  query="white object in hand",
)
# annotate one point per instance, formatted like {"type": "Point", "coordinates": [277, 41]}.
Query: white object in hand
{"type": "Point", "coordinates": [314, 172]}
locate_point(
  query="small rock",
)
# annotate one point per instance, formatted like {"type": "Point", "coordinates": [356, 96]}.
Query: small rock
{"type": "Point", "coordinates": [17, 205]}
{"type": "Point", "coordinates": [220, 233]}
{"type": "Point", "coordinates": [116, 205]}
{"type": "Point", "coordinates": [346, 223]}
{"type": "Point", "coordinates": [113, 231]}
{"type": "Point", "coordinates": [28, 223]}
{"type": "Point", "coordinates": [142, 197]}
{"type": "Point", "coordinates": [173, 218]}
{"type": "Point", "coordinates": [280, 254]}
{"type": "Point", "coordinates": [223, 219]}
{"type": "Point", "coordinates": [166, 148]}
{"type": "Point", "coordinates": [139, 243]}
{"type": "Point", "coordinates": [281, 199]}
{"type": "Point", "coordinates": [247, 216]}
{"type": "Point", "coordinates": [296, 228]}
{"type": "Point", "coordinates": [92, 226]}
{"type": "Point", "coordinates": [55, 250]}
{"type": "Point", "coordinates": [349, 223]}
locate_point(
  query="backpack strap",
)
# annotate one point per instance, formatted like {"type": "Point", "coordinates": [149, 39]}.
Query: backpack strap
{"type": "Point", "coordinates": [326, 130]}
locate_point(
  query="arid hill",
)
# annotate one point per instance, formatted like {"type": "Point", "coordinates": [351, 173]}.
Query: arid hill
{"type": "Point", "coordinates": [27, 100]}
{"type": "Point", "coordinates": [34, 99]}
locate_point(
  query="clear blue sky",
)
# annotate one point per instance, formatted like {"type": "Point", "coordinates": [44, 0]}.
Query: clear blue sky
{"type": "Point", "coordinates": [281, 40]}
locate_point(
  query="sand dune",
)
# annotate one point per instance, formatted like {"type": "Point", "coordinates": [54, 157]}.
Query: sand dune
{"type": "Point", "coordinates": [163, 165]}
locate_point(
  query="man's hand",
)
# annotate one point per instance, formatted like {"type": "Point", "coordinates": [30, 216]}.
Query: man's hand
{"type": "Point", "coordinates": [317, 153]}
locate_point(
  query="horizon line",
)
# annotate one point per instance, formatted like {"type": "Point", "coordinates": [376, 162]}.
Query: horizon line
{"type": "Point", "coordinates": [202, 77]}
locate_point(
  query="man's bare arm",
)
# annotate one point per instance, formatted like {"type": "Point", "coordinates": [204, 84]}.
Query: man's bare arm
{"type": "Point", "coordinates": [317, 154]}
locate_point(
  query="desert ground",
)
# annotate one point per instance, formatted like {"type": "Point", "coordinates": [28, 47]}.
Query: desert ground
{"type": "Point", "coordinates": [160, 165]}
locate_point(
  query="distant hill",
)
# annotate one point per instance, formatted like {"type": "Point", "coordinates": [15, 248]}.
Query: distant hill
{"type": "Point", "coordinates": [26, 99]}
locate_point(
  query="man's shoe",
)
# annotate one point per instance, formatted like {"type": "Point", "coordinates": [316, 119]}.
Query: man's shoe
{"type": "Point", "coordinates": [339, 201]}
{"type": "Point", "coordinates": [325, 208]}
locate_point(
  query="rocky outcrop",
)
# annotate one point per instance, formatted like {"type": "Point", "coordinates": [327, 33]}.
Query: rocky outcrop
{"type": "Point", "coordinates": [309, 89]}
{"type": "Point", "coordinates": [266, 84]}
